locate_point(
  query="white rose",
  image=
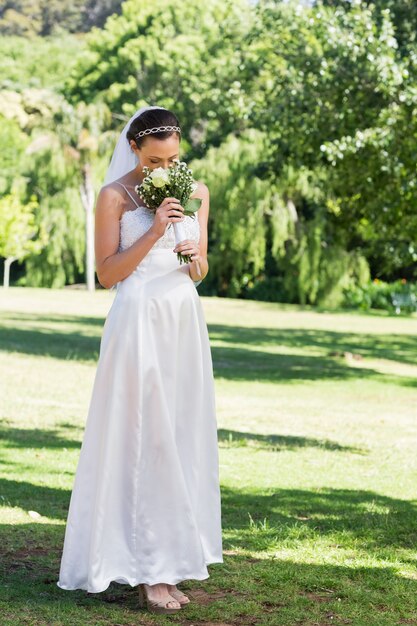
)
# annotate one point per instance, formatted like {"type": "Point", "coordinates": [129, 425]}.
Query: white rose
{"type": "Point", "coordinates": [159, 176]}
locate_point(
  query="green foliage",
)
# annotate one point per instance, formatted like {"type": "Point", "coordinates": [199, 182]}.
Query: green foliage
{"type": "Point", "coordinates": [40, 62]}
{"type": "Point", "coordinates": [59, 141]}
{"type": "Point", "coordinates": [268, 289]}
{"type": "Point", "coordinates": [18, 233]}
{"type": "Point", "coordinates": [402, 13]}
{"type": "Point", "coordinates": [13, 142]}
{"type": "Point", "coordinates": [373, 174]}
{"type": "Point", "coordinates": [340, 269]}
{"type": "Point", "coordinates": [398, 297]}
{"type": "Point", "coordinates": [56, 164]}
{"type": "Point", "coordinates": [175, 54]}
{"type": "Point", "coordinates": [245, 208]}
{"type": "Point", "coordinates": [312, 271]}
{"type": "Point", "coordinates": [59, 262]}
{"type": "Point", "coordinates": [239, 201]}
{"type": "Point", "coordinates": [324, 73]}
{"type": "Point", "coordinates": [45, 17]}
{"type": "Point", "coordinates": [333, 93]}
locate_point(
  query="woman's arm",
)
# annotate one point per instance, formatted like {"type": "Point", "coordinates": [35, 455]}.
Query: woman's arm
{"type": "Point", "coordinates": [112, 265]}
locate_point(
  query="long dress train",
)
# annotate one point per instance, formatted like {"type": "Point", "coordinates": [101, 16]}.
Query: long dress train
{"type": "Point", "coordinates": [145, 505]}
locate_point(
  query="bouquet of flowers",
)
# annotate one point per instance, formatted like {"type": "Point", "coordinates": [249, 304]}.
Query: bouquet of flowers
{"type": "Point", "coordinates": [175, 182]}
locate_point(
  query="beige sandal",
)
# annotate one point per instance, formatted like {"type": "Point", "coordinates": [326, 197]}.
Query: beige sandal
{"type": "Point", "coordinates": [180, 596]}
{"type": "Point", "coordinates": [156, 606]}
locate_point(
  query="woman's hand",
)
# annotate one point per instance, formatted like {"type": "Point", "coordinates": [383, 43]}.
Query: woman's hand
{"type": "Point", "coordinates": [168, 211]}
{"type": "Point", "coordinates": [192, 248]}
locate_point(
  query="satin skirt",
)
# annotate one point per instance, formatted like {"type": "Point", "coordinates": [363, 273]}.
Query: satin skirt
{"type": "Point", "coordinates": [145, 505]}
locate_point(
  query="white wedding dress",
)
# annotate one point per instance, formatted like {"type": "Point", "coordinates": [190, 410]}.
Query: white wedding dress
{"type": "Point", "coordinates": [145, 505]}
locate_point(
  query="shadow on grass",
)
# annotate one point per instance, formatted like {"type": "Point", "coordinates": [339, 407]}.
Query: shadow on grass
{"type": "Point", "coordinates": [234, 364]}
{"type": "Point", "coordinates": [250, 365]}
{"type": "Point", "coordinates": [371, 520]}
{"type": "Point", "coordinates": [246, 589]}
{"type": "Point", "coordinates": [243, 586]}
{"type": "Point", "coordinates": [51, 318]}
{"type": "Point", "coordinates": [396, 347]}
{"type": "Point", "coordinates": [280, 442]}
{"type": "Point", "coordinates": [77, 338]}
{"type": "Point", "coordinates": [47, 501]}
{"type": "Point", "coordinates": [65, 345]}
{"type": "Point", "coordinates": [237, 364]}
{"type": "Point", "coordinates": [12, 437]}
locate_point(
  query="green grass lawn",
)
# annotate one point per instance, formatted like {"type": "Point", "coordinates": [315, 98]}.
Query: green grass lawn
{"type": "Point", "coordinates": [317, 419]}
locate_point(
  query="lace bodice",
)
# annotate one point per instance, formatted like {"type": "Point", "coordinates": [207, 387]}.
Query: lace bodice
{"type": "Point", "coordinates": [134, 224]}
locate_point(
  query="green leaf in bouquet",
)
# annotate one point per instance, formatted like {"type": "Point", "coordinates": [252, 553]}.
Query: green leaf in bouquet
{"type": "Point", "coordinates": [192, 206]}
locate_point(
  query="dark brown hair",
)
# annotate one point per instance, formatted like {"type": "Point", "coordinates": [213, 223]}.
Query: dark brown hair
{"type": "Point", "coordinates": [150, 119]}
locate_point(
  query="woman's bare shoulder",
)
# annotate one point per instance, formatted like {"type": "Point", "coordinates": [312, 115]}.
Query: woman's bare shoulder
{"type": "Point", "coordinates": [111, 191]}
{"type": "Point", "coordinates": [201, 191]}
{"type": "Point", "coordinates": [110, 200]}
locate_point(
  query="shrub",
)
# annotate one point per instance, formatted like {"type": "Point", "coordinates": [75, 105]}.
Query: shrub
{"type": "Point", "coordinates": [397, 297]}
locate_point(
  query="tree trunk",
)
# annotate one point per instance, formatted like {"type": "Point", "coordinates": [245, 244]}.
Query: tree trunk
{"type": "Point", "coordinates": [87, 197]}
{"type": "Point", "coordinates": [6, 273]}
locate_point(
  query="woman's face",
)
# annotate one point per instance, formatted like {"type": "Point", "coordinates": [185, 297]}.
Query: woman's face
{"type": "Point", "coordinates": [157, 152]}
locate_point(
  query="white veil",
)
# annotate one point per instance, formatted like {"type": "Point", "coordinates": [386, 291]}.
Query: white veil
{"type": "Point", "coordinates": [124, 159]}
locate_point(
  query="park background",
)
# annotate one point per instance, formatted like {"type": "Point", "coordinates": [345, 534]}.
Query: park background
{"type": "Point", "coordinates": [301, 118]}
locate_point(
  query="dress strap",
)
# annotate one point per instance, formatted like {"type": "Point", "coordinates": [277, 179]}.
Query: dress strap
{"type": "Point", "coordinates": [127, 191]}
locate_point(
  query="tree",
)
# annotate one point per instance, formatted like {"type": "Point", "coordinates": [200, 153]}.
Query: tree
{"type": "Point", "coordinates": [331, 77]}
{"type": "Point", "coordinates": [64, 161]}
{"type": "Point", "coordinates": [403, 15]}
{"type": "Point", "coordinates": [39, 62]}
{"type": "Point", "coordinates": [19, 235]}
{"type": "Point", "coordinates": [239, 212]}
{"type": "Point", "coordinates": [373, 176]}
{"type": "Point", "coordinates": [44, 17]}
{"type": "Point", "coordinates": [64, 149]}
{"type": "Point", "coordinates": [182, 55]}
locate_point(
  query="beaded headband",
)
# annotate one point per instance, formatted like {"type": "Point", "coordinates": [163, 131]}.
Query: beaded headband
{"type": "Point", "coordinates": [156, 129]}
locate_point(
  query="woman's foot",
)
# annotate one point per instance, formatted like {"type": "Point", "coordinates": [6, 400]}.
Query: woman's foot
{"type": "Point", "coordinates": [159, 595]}
{"type": "Point", "coordinates": [178, 595]}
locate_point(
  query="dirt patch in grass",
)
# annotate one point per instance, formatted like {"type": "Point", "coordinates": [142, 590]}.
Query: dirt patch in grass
{"type": "Point", "coordinates": [194, 623]}
{"type": "Point", "coordinates": [200, 596]}
{"type": "Point", "coordinates": [26, 552]}
{"type": "Point", "coordinates": [317, 597]}
{"type": "Point", "coordinates": [240, 620]}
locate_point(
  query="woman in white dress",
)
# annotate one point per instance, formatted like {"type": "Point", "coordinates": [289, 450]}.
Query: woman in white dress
{"type": "Point", "coordinates": [145, 507]}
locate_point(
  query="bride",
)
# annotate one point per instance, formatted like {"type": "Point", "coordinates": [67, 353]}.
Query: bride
{"type": "Point", "coordinates": [145, 507]}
